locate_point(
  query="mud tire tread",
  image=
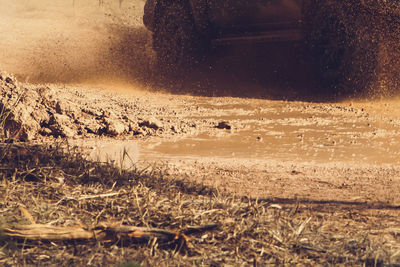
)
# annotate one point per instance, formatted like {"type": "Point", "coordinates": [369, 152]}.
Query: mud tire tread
{"type": "Point", "coordinates": [343, 49]}
{"type": "Point", "coordinates": [175, 39]}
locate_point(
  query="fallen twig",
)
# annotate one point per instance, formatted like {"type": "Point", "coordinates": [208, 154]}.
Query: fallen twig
{"type": "Point", "coordinates": [98, 196]}
{"type": "Point", "coordinates": [104, 233]}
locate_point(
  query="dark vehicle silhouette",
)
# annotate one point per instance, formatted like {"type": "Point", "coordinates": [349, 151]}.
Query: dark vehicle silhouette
{"type": "Point", "coordinates": [342, 37]}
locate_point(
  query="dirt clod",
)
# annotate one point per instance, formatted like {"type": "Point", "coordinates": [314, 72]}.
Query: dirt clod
{"type": "Point", "coordinates": [223, 125]}
{"type": "Point", "coordinates": [115, 127]}
{"type": "Point", "coordinates": [9, 80]}
{"type": "Point", "coordinates": [151, 123]}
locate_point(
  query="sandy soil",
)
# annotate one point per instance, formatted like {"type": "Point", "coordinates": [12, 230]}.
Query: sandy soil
{"type": "Point", "coordinates": [73, 41]}
{"type": "Point", "coordinates": [287, 150]}
{"type": "Point", "coordinates": [345, 151]}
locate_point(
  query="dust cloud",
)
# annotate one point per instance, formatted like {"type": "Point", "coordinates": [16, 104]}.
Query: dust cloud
{"type": "Point", "coordinates": [73, 41]}
{"type": "Point", "coordinates": [105, 42]}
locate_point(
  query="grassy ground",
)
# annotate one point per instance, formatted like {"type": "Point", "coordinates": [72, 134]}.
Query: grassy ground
{"type": "Point", "coordinates": [58, 187]}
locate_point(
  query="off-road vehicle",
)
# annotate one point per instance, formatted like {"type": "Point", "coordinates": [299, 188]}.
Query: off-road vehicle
{"type": "Point", "coordinates": [342, 37]}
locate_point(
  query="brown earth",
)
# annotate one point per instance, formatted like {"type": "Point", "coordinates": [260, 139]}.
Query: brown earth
{"type": "Point", "coordinates": [336, 161]}
{"type": "Point", "coordinates": [259, 148]}
{"type": "Point", "coordinates": [81, 86]}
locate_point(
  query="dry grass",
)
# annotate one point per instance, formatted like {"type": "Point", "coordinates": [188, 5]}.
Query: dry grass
{"type": "Point", "coordinates": [58, 187]}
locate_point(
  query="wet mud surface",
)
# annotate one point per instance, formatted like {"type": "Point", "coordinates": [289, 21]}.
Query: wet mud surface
{"type": "Point", "coordinates": [343, 151]}
{"type": "Point", "coordinates": [288, 131]}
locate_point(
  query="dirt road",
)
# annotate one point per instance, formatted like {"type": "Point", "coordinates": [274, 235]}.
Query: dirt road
{"type": "Point", "coordinates": [294, 149]}
{"type": "Point", "coordinates": [346, 151]}
{"type": "Point", "coordinates": [343, 151]}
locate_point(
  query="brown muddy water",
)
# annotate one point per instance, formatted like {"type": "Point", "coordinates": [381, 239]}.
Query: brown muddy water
{"type": "Point", "coordinates": [265, 130]}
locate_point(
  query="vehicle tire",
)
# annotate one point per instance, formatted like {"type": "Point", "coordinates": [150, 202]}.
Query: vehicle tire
{"type": "Point", "coordinates": [177, 43]}
{"type": "Point", "coordinates": [343, 47]}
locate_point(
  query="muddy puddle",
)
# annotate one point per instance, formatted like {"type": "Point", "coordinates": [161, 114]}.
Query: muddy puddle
{"type": "Point", "coordinates": [271, 130]}
{"type": "Point", "coordinates": [290, 136]}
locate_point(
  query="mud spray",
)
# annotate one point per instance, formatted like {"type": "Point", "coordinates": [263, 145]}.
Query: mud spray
{"type": "Point", "coordinates": [74, 41]}
{"type": "Point", "coordinates": [104, 42]}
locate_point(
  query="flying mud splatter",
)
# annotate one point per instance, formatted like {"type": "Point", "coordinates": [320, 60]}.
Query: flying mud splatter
{"type": "Point", "coordinates": [74, 41]}
{"type": "Point", "coordinates": [104, 42]}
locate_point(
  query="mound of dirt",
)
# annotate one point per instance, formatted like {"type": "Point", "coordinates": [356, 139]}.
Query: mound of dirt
{"type": "Point", "coordinates": [20, 115]}
{"type": "Point", "coordinates": [30, 111]}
